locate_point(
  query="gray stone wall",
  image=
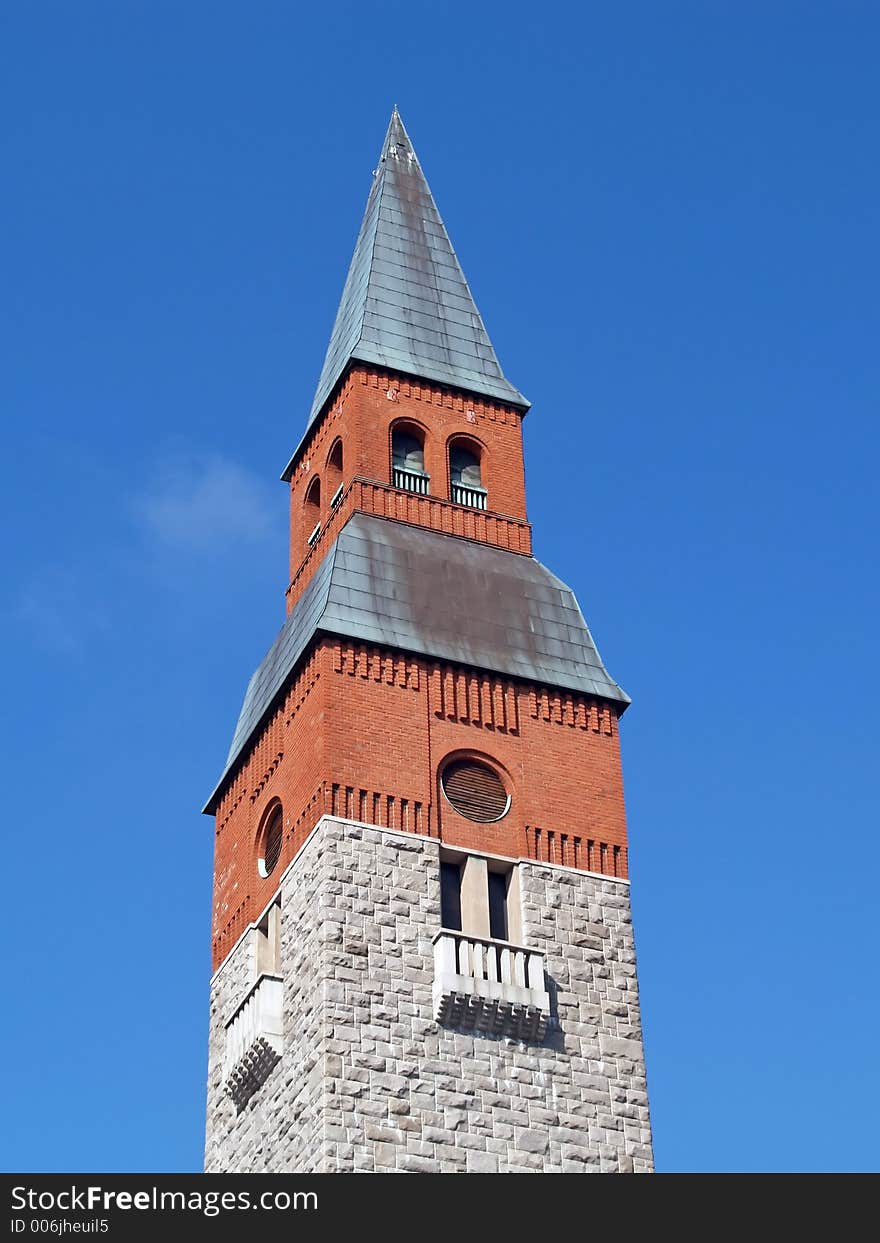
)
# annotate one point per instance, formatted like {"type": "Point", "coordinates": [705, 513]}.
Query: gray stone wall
{"type": "Point", "coordinates": [281, 1126]}
{"type": "Point", "coordinates": [369, 1082]}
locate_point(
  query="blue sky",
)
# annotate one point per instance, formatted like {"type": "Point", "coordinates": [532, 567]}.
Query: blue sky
{"type": "Point", "coordinates": [667, 214]}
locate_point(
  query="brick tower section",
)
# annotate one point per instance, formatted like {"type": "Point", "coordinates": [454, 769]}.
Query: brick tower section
{"type": "Point", "coordinates": [359, 427]}
{"type": "Point", "coordinates": [408, 975]}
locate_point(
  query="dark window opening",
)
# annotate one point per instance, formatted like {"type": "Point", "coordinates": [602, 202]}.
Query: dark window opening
{"type": "Point", "coordinates": [498, 905]}
{"type": "Point", "coordinates": [450, 896]}
{"type": "Point", "coordinates": [313, 510]}
{"type": "Point", "coordinates": [335, 459]}
{"type": "Point", "coordinates": [313, 496]}
{"type": "Point", "coordinates": [465, 478]}
{"type": "Point", "coordinates": [408, 462]}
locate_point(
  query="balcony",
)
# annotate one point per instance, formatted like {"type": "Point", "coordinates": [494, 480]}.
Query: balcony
{"type": "Point", "coordinates": [473, 497]}
{"type": "Point", "coordinates": [489, 986]}
{"type": "Point", "coordinates": [254, 1039]}
{"type": "Point", "coordinates": [411, 480]}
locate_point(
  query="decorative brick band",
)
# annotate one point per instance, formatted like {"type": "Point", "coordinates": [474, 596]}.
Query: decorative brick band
{"type": "Point", "coordinates": [569, 708]}
{"type": "Point", "coordinates": [572, 850]}
{"type": "Point", "coordinates": [480, 699]}
{"type": "Point", "coordinates": [359, 660]}
{"type": "Point", "coordinates": [386, 811]}
{"type": "Point", "coordinates": [430, 393]}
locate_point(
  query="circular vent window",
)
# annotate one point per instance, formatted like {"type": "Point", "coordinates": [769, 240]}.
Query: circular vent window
{"type": "Point", "coordinates": [270, 850]}
{"type": "Point", "coordinates": [475, 791]}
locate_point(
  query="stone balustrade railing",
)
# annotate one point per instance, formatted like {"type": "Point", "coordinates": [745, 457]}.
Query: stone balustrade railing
{"type": "Point", "coordinates": [464, 494]}
{"type": "Point", "coordinates": [254, 1038]}
{"type": "Point", "coordinates": [488, 985]}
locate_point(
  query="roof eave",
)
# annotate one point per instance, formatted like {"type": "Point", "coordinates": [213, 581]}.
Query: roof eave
{"type": "Point", "coordinates": [620, 705]}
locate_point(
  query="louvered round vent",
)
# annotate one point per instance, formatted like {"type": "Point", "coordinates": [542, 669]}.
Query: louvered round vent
{"type": "Point", "coordinates": [273, 836]}
{"type": "Point", "coordinates": [475, 791]}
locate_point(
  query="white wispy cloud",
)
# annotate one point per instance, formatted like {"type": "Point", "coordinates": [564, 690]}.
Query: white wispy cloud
{"type": "Point", "coordinates": [203, 505]}
{"type": "Point", "coordinates": [189, 512]}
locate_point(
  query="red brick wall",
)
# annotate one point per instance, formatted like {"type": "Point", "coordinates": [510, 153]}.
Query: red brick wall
{"type": "Point", "coordinates": [362, 414]}
{"type": "Point", "coordinates": [285, 761]}
{"type": "Point", "coordinates": [362, 733]}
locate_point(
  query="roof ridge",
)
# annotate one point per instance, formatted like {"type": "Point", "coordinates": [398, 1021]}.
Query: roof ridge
{"type": "Point", "coordinates": [381, 180]}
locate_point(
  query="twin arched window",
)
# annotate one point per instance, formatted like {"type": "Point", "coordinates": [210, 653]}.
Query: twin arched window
{"type": "Point", "coordinates": [408, 467]}
{"type": "Point", "coordinates": [334, 486]}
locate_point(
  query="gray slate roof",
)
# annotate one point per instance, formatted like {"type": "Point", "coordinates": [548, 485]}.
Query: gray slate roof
{"type": "Point", "coordinates": [436, 595]}
{"type": "Point", "coordinates": [406, 304]}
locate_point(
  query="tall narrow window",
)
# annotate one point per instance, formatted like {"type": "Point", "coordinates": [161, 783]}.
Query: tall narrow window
{"type": "Point", "coordinates": [408, 461]}
{"type": "Point", "coordinates": [450, 896]}
{"type": "Point", "coordinates": [313, 510]}
{"type": "Point", "coordinates": [498, 906]}
{"type": "Point", "coordinates": [465, 477]}
{"type": "Point", "coordinates": [334, 459]}
{"type": "Point", "coordinates": [334, 474]}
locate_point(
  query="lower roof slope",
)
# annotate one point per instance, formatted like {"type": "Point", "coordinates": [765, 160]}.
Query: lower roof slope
{"type": "Point", "coordinates": [434, 595]}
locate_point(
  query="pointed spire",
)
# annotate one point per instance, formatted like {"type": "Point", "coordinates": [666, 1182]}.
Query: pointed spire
{"type": "Point", "coordinates": [406, 304]}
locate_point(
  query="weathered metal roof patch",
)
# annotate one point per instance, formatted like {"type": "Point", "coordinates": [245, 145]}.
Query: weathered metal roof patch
{"type": "Point", "coordinates": [433, 595]}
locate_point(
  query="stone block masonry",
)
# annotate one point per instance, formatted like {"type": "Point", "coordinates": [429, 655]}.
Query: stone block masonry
{"type": "Point", "coordinates": [369, 1082]}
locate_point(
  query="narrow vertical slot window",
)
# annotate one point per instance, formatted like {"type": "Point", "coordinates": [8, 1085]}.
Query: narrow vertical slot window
{"type": "Point", "coordinates": [450, 896]}
{"type": "Point", "coordinates": [498, 906]}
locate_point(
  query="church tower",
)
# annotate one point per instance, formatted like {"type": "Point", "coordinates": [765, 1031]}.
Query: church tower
{"type": "Point", "coordinates": [423, 950]}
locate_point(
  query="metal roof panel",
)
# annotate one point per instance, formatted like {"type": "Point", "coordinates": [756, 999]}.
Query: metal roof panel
{"type": "Point", "coordinates": [403, 259]}
{"type": "Point", "coordinates": [437, 596]}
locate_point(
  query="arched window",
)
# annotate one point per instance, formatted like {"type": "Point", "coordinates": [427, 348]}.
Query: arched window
{"type": "Point", "coordinates": [408, 460]}
{"type": "Point", "coordinates": [313, 509]}
{"type": "Point", "coordinates": [334, 459]}
{"type": "Point", "coordinates": [334, 473]}
{"type": "Point", "coordinates": [465, 478]}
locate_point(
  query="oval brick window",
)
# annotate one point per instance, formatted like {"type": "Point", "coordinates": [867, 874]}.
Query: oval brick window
{"type": "Point", "coordinates": [475, 791]}
{"type": "Point", "coordinates": [270, 849]}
